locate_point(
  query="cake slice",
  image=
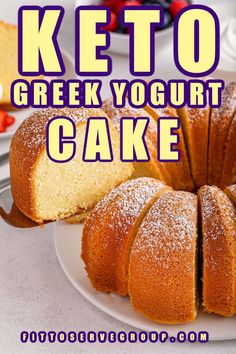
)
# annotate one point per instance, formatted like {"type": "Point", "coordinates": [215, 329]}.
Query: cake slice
{"type": "Point", "coordinates": [195, 125]}
{"type": "Point", "coordinates": [229, 165]}
{"type": "Point", "coordinates": [152, 168]}
{"type": "Point", "coordinates": [8, 61]}
{"type": "Point", "coordinates": [162, 278]}
{"type": "Point", "coordinates": [46, 190]}
{"type": "Point", "coordinates": [231, 193]}
{"type": "Point", "coordinates": [110, 230]}
{"type": "Point", "coordinates": [220, 122]}
{"type": "Point", "coordinates": [180, 170]}
{"type": "Point", "coordinates": [219, 251]}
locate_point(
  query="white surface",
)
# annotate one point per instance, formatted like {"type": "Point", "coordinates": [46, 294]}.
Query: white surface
{"type": "Point", "coordinates": [34, 292]}
{"type": "Point", "coordinates": [67, 240]}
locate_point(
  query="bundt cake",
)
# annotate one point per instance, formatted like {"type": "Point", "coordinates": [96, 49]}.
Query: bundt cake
{"type": "Point", "coordinates": [162, 271]}
{"type": "Point", "coordinates": [206, 143]}
{"type": "Point", "coordinates": [179, 171]}
{"type": "Point", "coordinates": [45, 190]}
{"type": "Point", "coordinates": [231, 193]}
{"type": "Point", "coordinates": [229, 165]}
{"type": "Point", "coordinates": [159, 264]}
{"type": "Point", "coordinates": [221, 119]}
{"type": "Point", "coordinates": [195, 125]}
{"type": "Point", "coordinates": [110, 230]}
{"type": "Point", "coordinates": [142, 240]}
{"type": "Point", "coordinates": [33, 174]}
{"type": "Point", "coordinates": [219, 251]}
{"type": "Point", "coordinates": [152, 168]}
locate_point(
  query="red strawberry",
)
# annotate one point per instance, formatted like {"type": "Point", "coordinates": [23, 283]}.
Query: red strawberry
{"type": "Point", "coordinates": [3, 116]}
{"type": "Point", "coordinates": [119, 5]}
{"type": "Point", "coordinates": [112, 26]}
{"type": "Point", "coordinates": [176, 6]}
{"type": "Point", "coordinates": [110, 3]}
{"type": "Point", "coordinates": [9, 120]}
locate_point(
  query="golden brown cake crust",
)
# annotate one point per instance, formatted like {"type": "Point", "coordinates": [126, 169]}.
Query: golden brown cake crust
{"type": "Point", "coordinates": [231, 193]}
{"type": "Point", "coordinates": [179, 171]}
{"type": "Point", "coordinates": [195, 125]}
{"type": "Point", "coordinates": [219, 251]}
{"type": "Point", "coordinates": [219, 126]}
{"type": "Point", "coordinates": [162, 270]}
{"type": "Point", "coordinates": [229, 165]}
{"type": "Point", "coordinates": [109, 232]}
{"type": "Point", "coordinates": [28, 143]}
{"type": "Point", "coordinates": [153, 168]}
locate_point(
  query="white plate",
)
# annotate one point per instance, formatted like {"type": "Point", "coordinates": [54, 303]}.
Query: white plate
{"type": "Point", "coordinates": [21, 114]}
{"type": "Point", "coordinates": [68, 247]}
{"type": "Point", "coordinates": [6, 200]}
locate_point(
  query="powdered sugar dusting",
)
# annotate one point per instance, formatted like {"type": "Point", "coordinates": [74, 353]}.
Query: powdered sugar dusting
{"type": "Point", "coordinates": [217, 210]}
{"type": "Point", "coordinates": [223, 114]}
{"type": "Point", "coordinates": [126, 202]}
{"type": "Point", "coordinates": [115, 114]}
{"type": "Point", "coordinates": [197, 114]}
{"type": "Point", "coordinates": [133, 200]}
{"type": "Point", "coordinates": [232, 189]}
{"type": "Point", "coordinates": [218, 221]}
{"type": "Point", "coordinates": [165, 111]}
{"type": "Point", "coordinates": [168, 229]}
{"type": "Point", "coordinates": [32, 132]}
